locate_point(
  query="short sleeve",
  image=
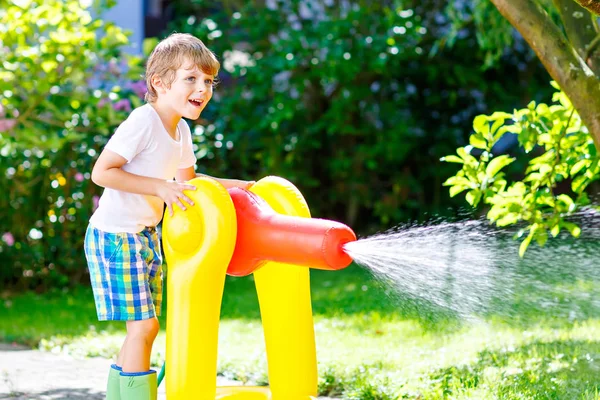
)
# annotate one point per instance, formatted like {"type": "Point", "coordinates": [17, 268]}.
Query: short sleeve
{"type": "Point", "coordinates": [188, 158]}
{"type": "Point", "coordinates": [131, 137]}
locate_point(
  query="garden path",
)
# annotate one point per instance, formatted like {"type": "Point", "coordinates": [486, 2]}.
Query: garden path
{"type": "Point", "coordinates": [27, 374]}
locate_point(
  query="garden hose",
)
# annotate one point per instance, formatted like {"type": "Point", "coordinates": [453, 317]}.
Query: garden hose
{"type": "Point", "coordinates": [161, 374]}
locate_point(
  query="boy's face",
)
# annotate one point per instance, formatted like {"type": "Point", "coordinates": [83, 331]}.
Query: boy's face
{"type": "Point", "coordinates": [190, 91]}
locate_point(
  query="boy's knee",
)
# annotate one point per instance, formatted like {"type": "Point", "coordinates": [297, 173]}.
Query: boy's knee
{"type": "Point", "coordinates": [147, 328]}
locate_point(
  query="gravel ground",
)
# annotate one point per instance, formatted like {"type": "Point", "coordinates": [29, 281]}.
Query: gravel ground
{"type": "Point", "coordinates": [27, 374]}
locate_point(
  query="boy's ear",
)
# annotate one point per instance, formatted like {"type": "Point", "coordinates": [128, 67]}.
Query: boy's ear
{"type": "Point", "coordinates": [157, 84]}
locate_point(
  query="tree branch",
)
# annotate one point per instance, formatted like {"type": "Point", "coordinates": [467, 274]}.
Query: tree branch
{"type": "Point", "coordinates": [592, 47]}
{"type": "Point", "coordinates": [595, 22]}
{"type": "Point", "coordinates": [561, 61]}
{"type": "Point", "coordinates": [591, 5]}
{"type": "Point", "coordinates": [580, 30]}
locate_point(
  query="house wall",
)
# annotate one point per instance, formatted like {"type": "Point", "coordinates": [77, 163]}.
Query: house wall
{"type": "Point", "coordinates": [129, 15]}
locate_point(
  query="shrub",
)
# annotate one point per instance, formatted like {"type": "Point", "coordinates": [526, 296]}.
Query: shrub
{"type": "Point", "coordinates": [63, 89]}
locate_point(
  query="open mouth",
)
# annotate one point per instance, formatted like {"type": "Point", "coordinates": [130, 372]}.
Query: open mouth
{"type": "Point", "coordinates": [196, 103]}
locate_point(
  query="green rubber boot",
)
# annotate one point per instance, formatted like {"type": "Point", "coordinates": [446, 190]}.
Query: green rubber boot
{"type": "Point", "coordinates": [138, 385]}
{"type": "Point", "coordinates": [112, 388]}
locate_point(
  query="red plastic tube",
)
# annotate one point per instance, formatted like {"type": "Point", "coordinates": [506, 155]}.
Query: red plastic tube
{"type": "Point", "coordinates": [264, 235]}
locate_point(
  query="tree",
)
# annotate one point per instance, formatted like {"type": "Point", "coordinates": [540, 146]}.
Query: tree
{"type": "Point", "coordinates": [592, 5]}
{"type": "Point", "coordinates": [568, 47]}
{"type": "Point", "coordinates": [564, 136]}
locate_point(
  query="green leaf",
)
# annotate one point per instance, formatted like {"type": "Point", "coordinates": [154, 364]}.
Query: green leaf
{"type": "Point", "coordinates": [555, 230]}
{"type": "Point", "coordinates": [500, 115]}
{"type": "Point", "coordinates": [579, 165]}
{"type": "Point", "coordinates": [525, 244]}
{"type": "Point", "coordinates": [541, 237]}
{"type": "Point", "coordinates": [579, 183]}
{"type": "Point", "coordinates": [452, 159]}
{"type": "Point", "coordinates": [497, 164]}
{"type": "Point", "coordinates": [504, 129]}
{"type": "Point", "coordinates": [567, 201]}
{"type": "Point", "coordinates": [545, 158]}
{"type": "Point", "coordinates": [481, 125]}
{"type": "Point", "coordinates": [473, 197]}
{"type": "Point", "coordinates": [497, 124]}
{"type": "Point", "coordinates": [508, 219]}
{"type": "Point", "coordinates": [454, 190]}
{"type": "Point", "coordinates": [533, 177]}
{"type": "Point", "coordinates": [572, 228]}
{"type": "Point", "coordinates": [458, 180]}
{"type": "Point", "coordinates": [583, 199]}
{"type": "Point", "coordinates": [478, 141]}
{"type": "Point", "coordinates": [469, 159]}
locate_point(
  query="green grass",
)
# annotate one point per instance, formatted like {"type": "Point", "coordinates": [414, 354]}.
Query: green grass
{"type": "Point", "coordinates": [369, 345]}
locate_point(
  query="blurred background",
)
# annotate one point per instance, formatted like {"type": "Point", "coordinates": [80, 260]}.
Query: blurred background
{"type": "Point", "coordinates": [354, 102]}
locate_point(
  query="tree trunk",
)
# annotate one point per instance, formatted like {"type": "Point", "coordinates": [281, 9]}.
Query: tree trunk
{"type": "Point", "coordinates": [581, 29]}
{"type": "Point", "coordinates": [592, 5]}
{"type": "Point", "coordinates": [560, 59]}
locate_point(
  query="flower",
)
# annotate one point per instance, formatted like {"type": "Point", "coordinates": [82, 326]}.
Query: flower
{"type": "Point", "coordinates": [7, 124]}
{"type": "Point", "coordinates": [79, 177]}
{"type": "Point", "coordinates": [95, 201]}
{"type": "Point", "coordinates": [122, 105]}
{"type": "Point", "coordinates": [8, 238]}
{"type": "Point", "coordinates": [139, 88]}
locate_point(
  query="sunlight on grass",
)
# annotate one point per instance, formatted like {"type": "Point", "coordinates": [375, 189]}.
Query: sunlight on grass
{"type": "Point", "coordinates": [368, 346]}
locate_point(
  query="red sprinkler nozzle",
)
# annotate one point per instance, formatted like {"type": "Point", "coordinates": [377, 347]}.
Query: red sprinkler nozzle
{"type": "Point", "coordinates": [264, 235]}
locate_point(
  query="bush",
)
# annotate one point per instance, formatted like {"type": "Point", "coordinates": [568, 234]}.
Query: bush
{"type": "Point", "coordinates": [348, 102]}
{"type": "Point", "coordinates": [554, 183]}
{"type": "Point", "coordinates": [63, 89]}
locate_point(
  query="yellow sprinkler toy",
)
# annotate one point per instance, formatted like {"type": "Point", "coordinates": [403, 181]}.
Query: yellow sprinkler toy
{"type": "Point", "coordinates": [266, 231]}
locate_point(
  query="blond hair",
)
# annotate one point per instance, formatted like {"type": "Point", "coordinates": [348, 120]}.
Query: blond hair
{"type": "Point", "coordinates": [170, 54]}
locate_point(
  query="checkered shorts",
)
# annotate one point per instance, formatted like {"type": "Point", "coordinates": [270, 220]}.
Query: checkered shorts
{"type": "Point", "coordinates": [126, 273]}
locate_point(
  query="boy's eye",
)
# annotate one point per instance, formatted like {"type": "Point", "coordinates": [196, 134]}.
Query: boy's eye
{"type": "Point", "coordinates": [208, 81]}
{"type": "Point", "coordinates": [191, 78]}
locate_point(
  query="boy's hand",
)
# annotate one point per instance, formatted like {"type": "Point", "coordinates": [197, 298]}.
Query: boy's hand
{"type": "Point", "coordinates": [231, 183]}
{"type": "Point", "coordinates": [248, 184]}
{"type": "Point", "coordinates": [171, 192]}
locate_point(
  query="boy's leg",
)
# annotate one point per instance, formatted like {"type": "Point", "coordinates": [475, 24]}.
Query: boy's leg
{"type": "Point", "coordinates": [97, 245]}
{"type": "Point", "coordinates": [138, 344]}
{"type": "Point", "coordinates": [121, 355]}
{"type": "Point", "coordinates": [142, 324]}
{"type": "Point", "coordinates": [137, 381]}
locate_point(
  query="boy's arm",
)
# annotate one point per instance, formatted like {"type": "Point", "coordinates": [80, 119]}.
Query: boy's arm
{"type": "Point", "coordinates": [107, 173]}
{"type": "Point", "coordinates": [186, 174]}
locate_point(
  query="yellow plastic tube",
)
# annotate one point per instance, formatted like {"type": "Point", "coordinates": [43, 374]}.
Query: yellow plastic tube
{"type": "Point", "coordinates": [198, 246]}
{"type": "Point", "coordinates": [285, 307]}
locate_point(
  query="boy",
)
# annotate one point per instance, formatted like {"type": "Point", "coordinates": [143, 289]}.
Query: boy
{"type": "Point", "coordinates": [136, 168]}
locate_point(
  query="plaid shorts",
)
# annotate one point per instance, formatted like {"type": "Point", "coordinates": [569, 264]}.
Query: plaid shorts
{"type": "Point", "coordinates": [126, 273]}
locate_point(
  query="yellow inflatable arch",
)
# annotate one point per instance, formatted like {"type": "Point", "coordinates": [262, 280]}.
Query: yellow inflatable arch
{"type": "Point", "coordinates": [198, 246]}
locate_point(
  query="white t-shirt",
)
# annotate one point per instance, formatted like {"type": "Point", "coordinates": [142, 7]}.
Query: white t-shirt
{"type": "Point", "coordinates": [150, 151]}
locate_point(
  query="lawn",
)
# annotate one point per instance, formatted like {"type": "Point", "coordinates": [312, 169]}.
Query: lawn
{"type": "Point", "coordinates": [370, 344]}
